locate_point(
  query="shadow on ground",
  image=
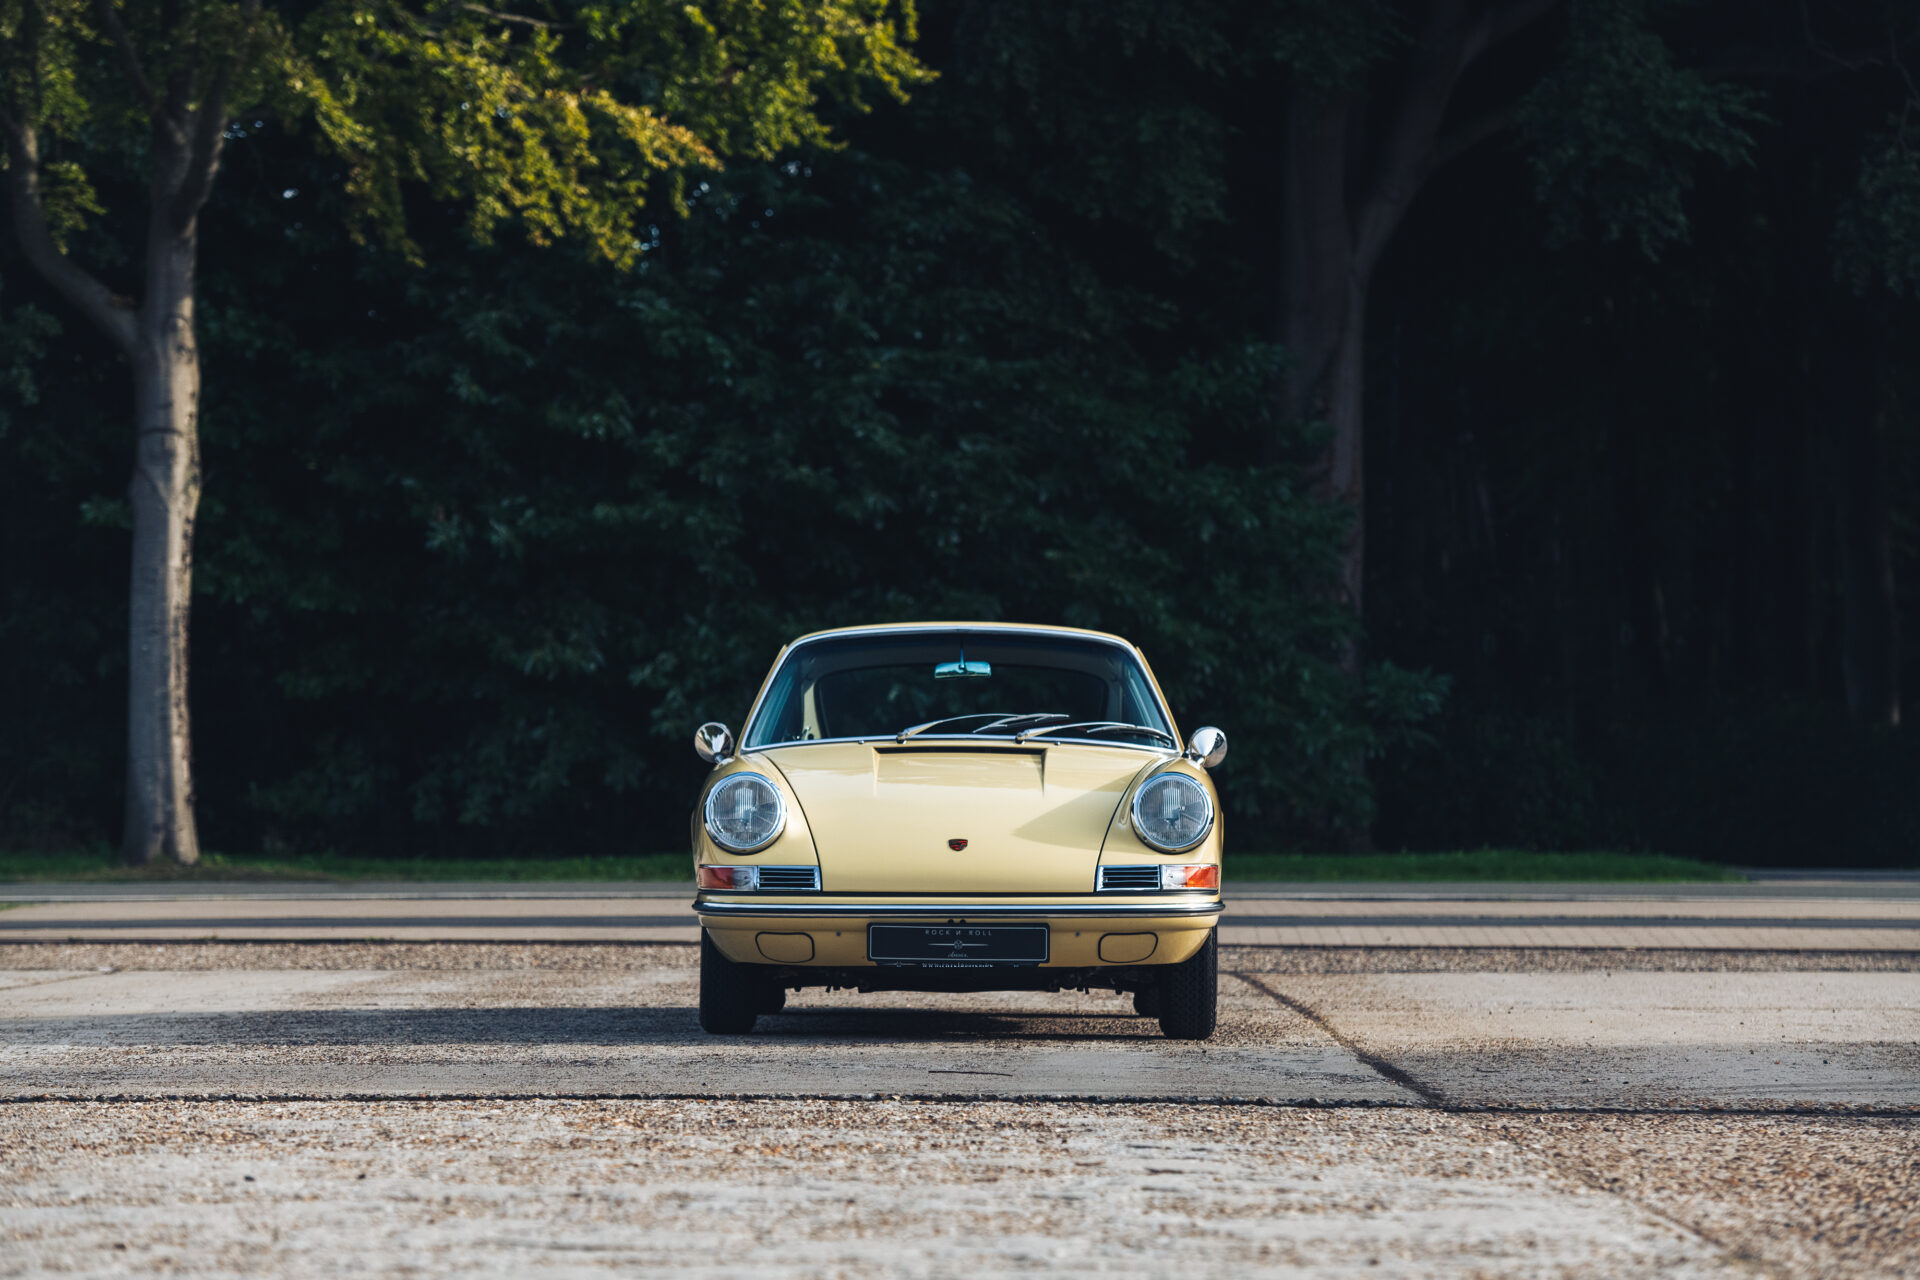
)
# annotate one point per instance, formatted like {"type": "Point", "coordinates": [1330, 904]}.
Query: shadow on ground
{"type": "Point", "coordinates": [640, 1025]}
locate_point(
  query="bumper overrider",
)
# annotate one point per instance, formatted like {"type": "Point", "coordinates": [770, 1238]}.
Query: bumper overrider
{"type": "Point", "coordinates": [835, 933]}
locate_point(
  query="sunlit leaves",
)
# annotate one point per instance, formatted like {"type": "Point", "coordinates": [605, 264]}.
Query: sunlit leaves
{"type": "Point", "coordinates": [566, 123]}
{"type": "Point", "coordinates": [568, 120]}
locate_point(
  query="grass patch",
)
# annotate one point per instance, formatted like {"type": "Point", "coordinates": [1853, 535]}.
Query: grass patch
{"type": "Point", "coordinates": [1472, 865]}
{"type": "Point", "coordinates": [1479, 865]}
{"type": "Point", "coordinates": [104, 865]}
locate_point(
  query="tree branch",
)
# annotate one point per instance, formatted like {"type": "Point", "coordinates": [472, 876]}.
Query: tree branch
{"type": "Point", "coordinates": [173, 109]}
{"type": "Point", "coordinates": [1503, 24]}
{"type": "Point", "coordinates": [1450, 44]}
{"type": "Point", "coordinates": [1449, 146]}
{"type": "Point", "coordinates": [116, 30]}
{"type": "Point", "coordinates": [497, 16]}
{"type": "Point", "coordinates": [110, 313]}
{"type": "Point", "coordinates": [1790, 65]}
{"type": "Point", "coordinates": [209, 128]}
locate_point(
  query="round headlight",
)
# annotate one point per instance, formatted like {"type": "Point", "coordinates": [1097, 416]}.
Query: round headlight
{"type": "Point", "coordinates": [1172, 812]}
{"type": "Point", "coordinates": [745, 812]}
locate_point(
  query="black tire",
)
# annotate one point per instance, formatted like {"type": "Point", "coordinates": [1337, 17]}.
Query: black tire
{"type": "Point", "coordinates": [769, 997]}
{"type": "Point", "coordinates": [727, 992]}
{"type": "Point", "coordinates": [1146, 1003]}
{"type": "Point", "coordinates": [1190, 993]}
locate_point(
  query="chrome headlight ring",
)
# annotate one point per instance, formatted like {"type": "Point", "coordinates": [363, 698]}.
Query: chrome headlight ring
{"type": "Point", "coordinates": [1164, 840]}
{"type": "Point", "coordinates": [750, 826]}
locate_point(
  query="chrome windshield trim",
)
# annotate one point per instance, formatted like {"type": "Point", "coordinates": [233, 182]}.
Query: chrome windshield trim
{"type": "Point", "coordinates": [952, 911]}
{"type": "Point", "coordinates": [950, 628]}
{"type": "Point", "coordinates": [1127, 647]}
{"type": "Point", "coordinates": [1012, 740]}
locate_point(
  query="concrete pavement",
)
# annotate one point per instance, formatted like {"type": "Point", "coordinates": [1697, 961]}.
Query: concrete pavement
{"type": "Point", "coordinates": [1801, 915]}
{"type": "Point", "coordinates": [334, 1108]}
{"type": "Point", "coordinates": [1584, 1036]}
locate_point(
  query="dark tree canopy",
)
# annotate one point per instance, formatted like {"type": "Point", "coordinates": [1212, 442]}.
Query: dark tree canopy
{"type": "Point", "coordinates": [491, 523]}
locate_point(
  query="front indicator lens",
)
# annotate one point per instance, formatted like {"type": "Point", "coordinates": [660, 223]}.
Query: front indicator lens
{"type": "Point", "coordinates": [712, 877]}
{"type": "Point", "coordinates": [1172, 812]}
{"type": "Point", "coordinates": [1205, 875]}
{"type": "Point", "coordinates": [745, 813]}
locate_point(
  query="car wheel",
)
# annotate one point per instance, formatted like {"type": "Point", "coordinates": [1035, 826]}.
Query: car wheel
{"type": "Point", "coordinates": [727, 991]}
{"type": "Point", "coordinates": [769, 997]}
{"type": "Point", "coordinates": [1189, 993]}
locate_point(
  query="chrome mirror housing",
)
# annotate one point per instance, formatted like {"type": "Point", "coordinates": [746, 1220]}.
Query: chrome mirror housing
{"type": "Point", "coordinates": [713, 742]}
{"type": "Point", "coordinates": [1208, 747]}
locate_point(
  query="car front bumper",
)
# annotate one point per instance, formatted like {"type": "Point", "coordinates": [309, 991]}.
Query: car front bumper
{"type": "Point", "coordinates": [757, 929]}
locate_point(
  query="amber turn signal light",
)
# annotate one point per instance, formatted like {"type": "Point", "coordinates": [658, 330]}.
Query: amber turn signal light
{"type": "Point", "coordinates": [1203, 875]}
{"type": "Point", "coordinates": [711, 877]}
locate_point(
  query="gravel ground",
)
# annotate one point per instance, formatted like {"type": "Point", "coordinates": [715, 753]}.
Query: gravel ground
{"type": "Point", "coordinates": [927, 1189]}
{"type": "Point", "coordinates": [801, 1186]}
{"type": "Point", "coordinates": [1809, 1195]}
{"type": "Point", "coordinates": [586, 957]}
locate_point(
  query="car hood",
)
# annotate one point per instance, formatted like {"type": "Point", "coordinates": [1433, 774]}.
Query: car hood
{"type": "Point", "coordinates": [1033, 817]}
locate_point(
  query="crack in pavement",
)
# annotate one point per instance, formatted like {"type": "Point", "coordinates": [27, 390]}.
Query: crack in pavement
{"type": "Point", "coordinates": [1393, 1074]}
{"type": "Point", "coordinates": [1572, 1170]}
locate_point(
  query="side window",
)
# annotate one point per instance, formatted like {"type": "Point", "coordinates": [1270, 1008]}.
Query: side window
{"type": "Point", "coordinates": [1139, 706]}
{"type": "Point", "coordinates": [780, 711]}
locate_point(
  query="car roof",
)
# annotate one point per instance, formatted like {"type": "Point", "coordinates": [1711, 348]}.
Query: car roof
{"type": "Point", "coordinates": [1034, 628]}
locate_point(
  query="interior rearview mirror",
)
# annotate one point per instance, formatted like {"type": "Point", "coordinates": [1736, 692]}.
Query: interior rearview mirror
{"type": "Point", "coordinates": [713, 742]}
{"type": "Point", "coordinates": [1208, 747]}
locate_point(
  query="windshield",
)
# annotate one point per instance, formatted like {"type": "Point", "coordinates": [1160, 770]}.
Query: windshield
{"type": "Point", "coordinates": [994, 684]}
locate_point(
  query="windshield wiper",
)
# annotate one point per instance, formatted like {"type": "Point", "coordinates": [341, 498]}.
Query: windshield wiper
{"type": "Point", "coordinates": [919, 729]}
{"type": "Point", "coordinates": [1092, 728]}
{"type": "Point", "coordinates": [994, 719]}
{"type": "Point", "coordinates": [1007, 722]}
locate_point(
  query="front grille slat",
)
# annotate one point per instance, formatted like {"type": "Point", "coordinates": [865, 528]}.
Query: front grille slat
{"type": "Point", "coordinates": [1135, 878]}
{"type": "Point", "coordinates": [789, 879]}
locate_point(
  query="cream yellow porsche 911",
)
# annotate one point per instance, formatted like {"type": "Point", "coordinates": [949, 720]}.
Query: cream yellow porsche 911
{"type": "Point", "coordinates": [958, 807]}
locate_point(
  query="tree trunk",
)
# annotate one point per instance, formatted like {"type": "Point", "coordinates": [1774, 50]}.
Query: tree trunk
{"type": "Point", "coordinates": [159, 342]}
{"type": "Point", "coordinates": [1870, 621]}
{"type": "Point", "coordinates": [165, 495]}
{"type": "Point", "coordinates": [1346, 449]}
{"type": "Point", "coordinates": [1323, 323]}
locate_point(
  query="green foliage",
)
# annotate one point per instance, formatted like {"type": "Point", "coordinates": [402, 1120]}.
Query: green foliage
{"type": "Point", "coordinates": [583, 510]}
{"type": "Point", "coordinates": [483, 538]}
{"type": "Point", "coordinates": [1877, 235]}
{"type": "Point", "coordinates": [1333, 43]}
{"type": "Point", "coordinates": [1510, 779]}
{"type": "Point", "coordinates": [1776, 786]}
{"type": "Point", "coordinates": [561, 122]}
{"type": "Point", "coordinates": [1125, 130]}
{"type": "Point", "coordinates": [1616, 132]}
{"type": "Point", "coordinates": [25, 333]}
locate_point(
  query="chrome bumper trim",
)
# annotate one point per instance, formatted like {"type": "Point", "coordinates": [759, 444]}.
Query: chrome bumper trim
{"type": "Point", "coordinates": [950, 911]}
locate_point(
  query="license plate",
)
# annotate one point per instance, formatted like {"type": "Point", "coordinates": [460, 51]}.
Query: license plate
{"type": "Point", "coordinates": [957, 944]}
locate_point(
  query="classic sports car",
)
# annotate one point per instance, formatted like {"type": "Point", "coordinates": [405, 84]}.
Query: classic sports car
{"type": "Point", "coordinates": [958, 807]}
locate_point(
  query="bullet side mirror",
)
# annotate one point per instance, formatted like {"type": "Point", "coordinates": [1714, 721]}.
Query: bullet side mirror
{"type": "Point", "coordinates": [1208, 747]}
{"type": "Point", "coordinates": [713, 742]}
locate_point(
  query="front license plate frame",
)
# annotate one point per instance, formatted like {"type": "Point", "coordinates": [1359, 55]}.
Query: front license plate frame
{"type": "Point", "coordinates": [959, 946]}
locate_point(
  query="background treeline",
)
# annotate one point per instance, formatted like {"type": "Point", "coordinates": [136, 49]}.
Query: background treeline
{"type": "Point", "coordinates": [484, 538]}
